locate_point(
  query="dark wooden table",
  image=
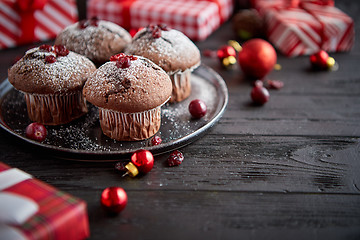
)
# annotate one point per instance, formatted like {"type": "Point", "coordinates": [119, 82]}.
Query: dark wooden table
{"type": "Point", "coordinates": [287, 170]}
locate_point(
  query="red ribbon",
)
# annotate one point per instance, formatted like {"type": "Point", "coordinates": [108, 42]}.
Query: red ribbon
{"type": "Point", "coordinates": [126, 4]}
{"type": "Point", "coordinates": [27, 9]}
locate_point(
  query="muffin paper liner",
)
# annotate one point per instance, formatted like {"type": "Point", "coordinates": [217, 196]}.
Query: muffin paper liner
{"type": "Point", "coordinates": [130, 126]}
{"type": "Point", "coordinates": [55, 109]}
{"type": "Point", "coordinates": [181, 85]}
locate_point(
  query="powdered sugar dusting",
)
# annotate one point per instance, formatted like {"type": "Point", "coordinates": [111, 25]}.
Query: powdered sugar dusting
{"type": "Point", "coordinates": [95, 42]}
{"type": "Point", "coordinates": [173, 51]}
{"type": "Point", "coordinates": [139, 87]}
{"type": "Point", "coordinates": [33, 74]}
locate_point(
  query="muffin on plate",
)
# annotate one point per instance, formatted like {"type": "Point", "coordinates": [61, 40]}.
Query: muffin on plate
{"type": "Point", "coordinates": [52, 78]}
{"type": "Point", "coordinates": [170, 49]}
{"type": "Point", "coordinates": [129, 92]}
{"type": "Point", "coordinates": [96, 39]}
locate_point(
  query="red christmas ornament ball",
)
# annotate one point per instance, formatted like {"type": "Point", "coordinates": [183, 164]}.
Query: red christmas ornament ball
{"type": "Point", "coordinates": [225, 51]}
{"type": "Point", "coordinates": [257, 58]}
{"type": "Point", "coordinates": [320, 59]}
{"type": "Point", "coordinates": [114, 199]}
{"type": "Point", "coordinates": [143, 160]}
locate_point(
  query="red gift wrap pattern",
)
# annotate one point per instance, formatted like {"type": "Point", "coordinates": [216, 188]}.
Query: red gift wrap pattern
{"type": "Point", "coordinates": [196, 19]}
{"type": "Point", "coordinates": [23, 22]}
{"type": "Point", "coordinates": [306, 27]}
{"type": "Point", "coordinates": [60, 215]}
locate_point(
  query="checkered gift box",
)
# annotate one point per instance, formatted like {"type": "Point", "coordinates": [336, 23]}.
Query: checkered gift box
{"type": "Point", "coordinates": [36, 21]}
{"type": "Point", "coordinates": [306, 27]}
{"type": "Point", "coordinates": [196, 19]}
{"type": "Point", "coordinates": [40, 211]}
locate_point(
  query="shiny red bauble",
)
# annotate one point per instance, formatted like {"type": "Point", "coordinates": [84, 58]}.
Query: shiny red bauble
{"type": "Point", "coordinates": [197, 108]}
{"type": "Point", "coordinates": [257, 58]}
{"type": "Point", "coordinates": [36, 131]}
{"type": "Point", "coordinates": [320, 59]}
{"type": "Point", "coordinates": [225, 51]}
{"type": "Point", "coordinates": [114, 199]}
{"type": "Point", "coordinates": [143, 160]}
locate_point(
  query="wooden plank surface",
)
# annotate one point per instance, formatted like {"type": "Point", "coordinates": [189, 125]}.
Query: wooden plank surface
{"type": "Point", "coordinates": [287, 170]}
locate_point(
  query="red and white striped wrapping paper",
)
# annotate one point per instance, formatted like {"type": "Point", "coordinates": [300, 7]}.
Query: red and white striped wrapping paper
{"type": "Point", "coordinates": [196, 19]}
{"type": "Point", "coordinates": [306, 28]}
{"type": "Point", "coordinates": [59, 215]}
{"type": "Point", "coordinates": [49, 21]}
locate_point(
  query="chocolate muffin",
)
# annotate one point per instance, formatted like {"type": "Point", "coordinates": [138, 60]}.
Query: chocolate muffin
{"type": "Point", "coordinates": [129, 92]}
{"type": "Point", "coordinates": [96, 39]}
{"type": "Point", "coordinates": [172, 51]}
{"type": "Point", "coordinates": [52, 78]}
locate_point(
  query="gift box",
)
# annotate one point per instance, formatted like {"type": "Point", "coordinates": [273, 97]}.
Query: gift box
{"type": "Point", "coordinates": [304, 27]}
{"type": "Point", "coordinates": [196, 19]}
{"type": "Point", "coordinates": [32, 209]}
{"type": "Point", "coordinates": [23, 22]}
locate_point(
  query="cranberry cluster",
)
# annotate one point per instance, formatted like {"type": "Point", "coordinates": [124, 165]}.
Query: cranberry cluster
{"type": "Point", "coordinates": [122, 60]}
{"type": "Point", "coordinates": [94, 21]}
{"type": "Point", "coordinates": [59, 50]}
{"type": "Point", "coordinates": [156, 29]}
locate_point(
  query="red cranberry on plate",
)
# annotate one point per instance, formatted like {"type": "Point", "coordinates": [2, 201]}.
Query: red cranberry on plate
{"type": "Point", "coordinates": [197, 108]}
{"type": "Point", "coordinates": [36, 131]}
{"type": "Point", "coordinates": [156, 140]}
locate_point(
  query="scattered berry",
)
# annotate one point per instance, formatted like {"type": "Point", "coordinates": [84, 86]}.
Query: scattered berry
{"type": "Point", "coordinates": [116, 57]}
{"type": "Point", "coordinates": [156, 140]}
{"type": "Point", "coordinates": [197, 108]}
{"type": "Point", "coordinates": [175, 158]}
{"type": "Point", "coordinates": [275, 84]}
{"type": "Point", "coordinates": [120, 166]}
{"type": "Point", "coordinates": [260, 95]}
{"type": "Point", "coordinates": [123, 62]}
{"type": "Point", "coordinates": [50, 59]}
{"type": "Point", "coordinates": [156, 33]}
{"type": "Point", "coordinates": [94, 21]}
{"type": "Point", "coordinates": [83, 24]}
{"type": "Point", "coordinates": [156, 29]}
{"type": "Point", "coordinates": [46, 47]}
{"type": "Point", "coordinates": [36, 131]}
{"type": "Point", "coordinates": [61, 50]}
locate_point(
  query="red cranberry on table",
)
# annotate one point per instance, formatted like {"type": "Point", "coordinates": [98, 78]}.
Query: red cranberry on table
{"type": "Point", "coordinates": [36, 131]}
{"type": "Point", "coordinates": [259, 94]}
{"type": "Point", "coordinates": [197, 108]}
{"type": "Point", "coordinates": [175, 158]}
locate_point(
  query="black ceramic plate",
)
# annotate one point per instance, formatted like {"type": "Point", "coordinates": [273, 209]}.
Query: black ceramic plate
{"type": "Point", "coordinates": [83, 140]}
